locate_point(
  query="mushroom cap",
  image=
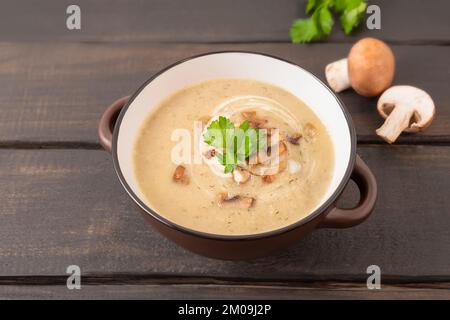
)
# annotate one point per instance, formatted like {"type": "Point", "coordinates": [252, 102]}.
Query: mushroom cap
{"type": "Point", "coordinates": [413, 100]}
{"type": "Point", "coordinates": [371, 67]}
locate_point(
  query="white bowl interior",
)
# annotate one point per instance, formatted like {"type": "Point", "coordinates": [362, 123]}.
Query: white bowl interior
{"type": "Point", "coordinates": [237, 65]}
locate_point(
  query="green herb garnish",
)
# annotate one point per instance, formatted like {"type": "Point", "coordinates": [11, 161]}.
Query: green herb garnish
{"type": "Point", "coordinates": [321, 21]}
{"type": "Point", "coordinates": [235, 144]}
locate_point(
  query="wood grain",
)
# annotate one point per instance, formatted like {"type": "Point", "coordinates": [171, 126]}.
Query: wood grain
{"type": "Point", "coordinates": [56, 92]}
{"type": "Point", "coordinates": [222, 292]}
{"type": "Point", "coordinates": [402, 21]}
{"type": "Point", "coordinates": [63, 207]}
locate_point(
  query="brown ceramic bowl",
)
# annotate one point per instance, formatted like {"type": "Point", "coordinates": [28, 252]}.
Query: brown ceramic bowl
{"type": "Point", "coordinates": [119, 125]}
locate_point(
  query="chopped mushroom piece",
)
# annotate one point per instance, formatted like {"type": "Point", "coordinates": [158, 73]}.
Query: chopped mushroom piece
{"type": "Point", "coordinates": [267, 155]}
{"type": "Point", "coordinates": [369, 68]}
{"type": "Point", "coordinates": [294, 139]}
{"type": "Point", "coordinates": [405, 108]}
{"type": "Point", "coordinates": [210, 153]}
{"type": "Point", "coordinates": [282, 165]}
{"type": "Point", "coordinates": [180, 175]}
{"type": "Point", "coordinates": [310, 131]}
{"type": "Point", "coordinates": [253, 119]}
{"type": "Point", "coordinates": [245, 202]}
{"type": "Point", "coordinates": [240, 175]}
{"type": "Point", "coordinates": [241, 201]}
{"type": "Point", "coordinates": [268, 179]}
{"type": "Point", "coordinates": [282, 148]}
{"type": "Point", "coordinates": [270, 168]}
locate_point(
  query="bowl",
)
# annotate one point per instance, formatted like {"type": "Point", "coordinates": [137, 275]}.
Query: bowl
{"type": "Point", "coordinates": [120, 123]}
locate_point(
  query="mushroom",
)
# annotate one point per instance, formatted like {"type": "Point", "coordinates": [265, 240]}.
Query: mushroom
{"type": "Point", "coordinates": [268, 168]}
{"type": "Point", "coordinates": [254, 120]}
{"type": "Point", "coordinates": [294, 138]}
{"type": "Point", "coordinates": [369, 68]}
{"type": "Point", "coordinates": [268, 179]}
{"type": "Point", "coordinates": [310, 131]}
{"type": "Point", "coordinates": [405, 108]}
{"type": "Point", "coordinates": [240, 201]}
{"type": "Point", "coordinates": [211, 153]}
{"type": "Point", "coordinates": [179, 175]}
{"type": "Point", "coordinates": [240, 175]}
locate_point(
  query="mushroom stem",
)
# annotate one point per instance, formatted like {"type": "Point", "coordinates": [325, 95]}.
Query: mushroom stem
{"type": "Point", "coordinates": [395, 123]}
{"type": "Point", "coordinates": [337, 75]}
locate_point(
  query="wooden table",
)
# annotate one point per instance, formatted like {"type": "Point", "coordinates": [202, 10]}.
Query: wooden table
{"type": "Point", "coordinates": [61, 203]}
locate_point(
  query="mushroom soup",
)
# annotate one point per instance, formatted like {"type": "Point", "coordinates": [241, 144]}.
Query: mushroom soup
{"type": "Point", "coordinates": [259, 192]}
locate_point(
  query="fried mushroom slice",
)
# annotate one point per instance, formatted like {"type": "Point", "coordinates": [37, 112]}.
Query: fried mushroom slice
{"type": "Point", "coordinates": [294, 138]}
{"type": "Point", "coordinates": [211, 153]}
{"type": "Point", "coordinates": [268, 179]}
{"type": "Point", "coordinates": [254, 120]}
{"type": "Point", "coordinates": [240, 201]}
{"type": "Point", "coordinates": [180, 176]}
{"type": "Point", "coordinates": [310, 131]}
{"type": "Point", "coordinates": [270, 168]}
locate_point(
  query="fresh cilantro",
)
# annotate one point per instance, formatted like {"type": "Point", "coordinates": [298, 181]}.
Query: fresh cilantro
{"type": "Point", "coordinates": [352, 16]}
{"type": "Point", "coordinates": [216, 135]}
{"type": "Point", "coordinates": [321, 21]}
{"type": "Point", "coordinates": [235, 144]}
{"type": "Point", "coordinates": [325, 19]}
{"type": "Point", "coordinates": [304, 30]}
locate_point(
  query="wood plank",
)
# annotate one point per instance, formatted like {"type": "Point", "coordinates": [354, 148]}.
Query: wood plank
{"type": "Point", "coordinates": [406, 21]}
{"type": "Point", "coordinates": [64, 207]}
{"type": "Point", "coordinates": [57, 92]}
{"type": "Point", "coordinates": [222, 292]}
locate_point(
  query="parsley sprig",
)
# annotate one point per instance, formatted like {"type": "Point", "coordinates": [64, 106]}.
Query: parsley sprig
{"type": "Point", "coordinates": [321, 22]}
{"type": "Point", "coordinates": [235, 144]}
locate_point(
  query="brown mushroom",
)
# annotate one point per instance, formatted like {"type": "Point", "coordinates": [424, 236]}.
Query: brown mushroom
{"type": "Point", "coordinates": [310, 131]}
{"type": "Point", "coordinates": [210, 153]}
{"type": "Point", "coordinates": [268, 179]}
{"type": "Point", "coordinates": [240, 201]}
{"type": "Point", "coordinates": [405, 108]}
{"type": "Point", "coordinates": [180, 176]}
{"type": "Point", "coordinates": [254, 120]}
{"type": "Point", "coordinates": [294, 138]}
{"type": "Point", "coordinates": [369, 68]}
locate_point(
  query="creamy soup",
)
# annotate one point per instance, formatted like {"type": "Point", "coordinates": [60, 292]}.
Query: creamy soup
{"type": "Point", "coordinates": [265, 191]}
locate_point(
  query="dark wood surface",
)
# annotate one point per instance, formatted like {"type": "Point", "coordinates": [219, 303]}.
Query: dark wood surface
{"type": "Point", "coordinates": [221, 291]}
{"type": "Point", "coordinates": [62, 203]}
{"type": "Point", "coordinates": [412, 21]}
{"type": "Point", "coordinates": [60, 98]}
{"type": "Point", "coordinates": [70, 209]}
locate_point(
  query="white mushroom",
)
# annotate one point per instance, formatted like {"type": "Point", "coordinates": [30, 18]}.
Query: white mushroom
{"type": "Point", "coordinates": [241, 176]}
{"type": "Point", "coordinates": [405, 108]}
{"type": "Point", "coordinates": [369, 68]}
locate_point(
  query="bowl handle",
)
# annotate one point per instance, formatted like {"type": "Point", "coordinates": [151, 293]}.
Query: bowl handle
{"type": "Point", "coordinates": [345, 218]}
{"type": "Point", "coordinates": [107, 122]}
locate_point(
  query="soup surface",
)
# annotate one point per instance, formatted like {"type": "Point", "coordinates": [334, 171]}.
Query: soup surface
{"type": "Point", "coordinates": [265, 192]}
